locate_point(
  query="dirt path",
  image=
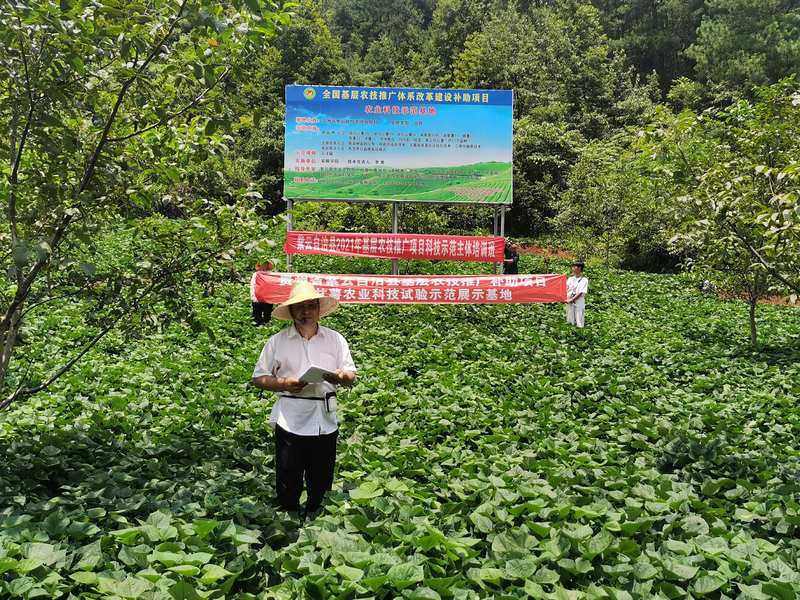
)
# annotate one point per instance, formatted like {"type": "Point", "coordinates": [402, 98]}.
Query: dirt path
{"type": "Point", "coordinates": [548, 252]}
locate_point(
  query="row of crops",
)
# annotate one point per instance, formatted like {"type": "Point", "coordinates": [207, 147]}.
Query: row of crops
{"type": "Point", "coordinates": [485, 452]}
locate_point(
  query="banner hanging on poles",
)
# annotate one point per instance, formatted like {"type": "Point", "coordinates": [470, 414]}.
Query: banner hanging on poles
{"type": "Point", "coordinates": [396, 246]}
{"type": "Point", "coordinates": [404, 144]}
{"type": "Point", "coordinates": [413, 289]}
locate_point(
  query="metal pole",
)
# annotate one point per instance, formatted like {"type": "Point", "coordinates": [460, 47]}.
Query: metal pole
{"type": "Point", "coordinates": [494, 232]}
{"type": "Point", "coordinates": [503, 210]}
{"type": "Point", "coordinates": [395, 230]}
{"type": "Point", "coordinates": [289, 225]}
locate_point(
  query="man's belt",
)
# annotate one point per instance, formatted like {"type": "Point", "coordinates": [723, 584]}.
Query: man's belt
{"type": "Point", "coordinates": [329, 399]}
{"type": "Point", "coordinates": [320, 398]}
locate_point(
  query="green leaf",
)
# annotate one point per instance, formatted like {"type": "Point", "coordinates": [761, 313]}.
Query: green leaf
{"type": "Point", "coordinates": [254, 6]}
{"type": "Point", "coordinates": [680, 571]}
{"type": "Point", "coordinates": [695, 525]}
{"type": "Point", "coordinates": [90, 556]}
{"type": "Point", "coordinates": [597, 544]}
{"type": "Point", "coordinates": [546, 576]}
{"type": "Point", "coordinates": [7, 564]}
{"type": "Point", "coordinates": [213, 573]}
{"type": "Point", "coordinates": [46, 554]}
{"type": "Point", "coordinates": [349, 573]}
{"type": "Point", "coordinates": [168, 559]}
{"type": "Point", "coordinates": [203, 527]}
{"type": "Point", "coordinates": [183, 591]}
{"type": "Point", "coordinates": [577, 531]}
{"type": "Point", "coordinates": [482, 522]}
{"type": "Point", "coordinates": [127, 536]}
{"type": "Point", "coordinates": [780, 590]}
{"type": "Point", "coordinates": [84, 577]}
{"type": "Point", "coordinates": [424, 593]}
{"type": "Point", "coordinates": [367, 491]}
{"type": "Point", "coordinates": [131, 587]}
{"type": "Point", "coordinates": [490, 574]}
{"type": "Point", "coordinates": [709, 583]}
{"type": "Point", "coordinates": [644, 571]}
{"type": "Point", "coordinates": [520, 568]}
{"type": "Point", "coordinates": [534, 590]}
{"type": "Point", "coordinates": [405, 575]}
{"type": "Point", "coordinates": [22, 254]}
{"type": "Point", "coordinates": [184, 570]}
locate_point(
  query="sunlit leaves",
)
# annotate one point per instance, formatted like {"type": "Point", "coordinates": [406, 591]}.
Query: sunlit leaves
{"type": "Point", "coordinates": [651, 458]}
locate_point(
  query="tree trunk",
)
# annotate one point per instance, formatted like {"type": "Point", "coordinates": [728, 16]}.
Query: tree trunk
{"type": "Point", "coordinates": [753, 300]}
{"type": "Point", "coordinates": [9, 329]}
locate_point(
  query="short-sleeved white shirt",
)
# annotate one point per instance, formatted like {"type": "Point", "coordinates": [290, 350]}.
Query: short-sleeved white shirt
{"type": "Point", "coordinates": [578, 285]}
{"type": "Point", "coordinates": [288, 354]}
{"type": "Point", "coordinates": [253, 287]}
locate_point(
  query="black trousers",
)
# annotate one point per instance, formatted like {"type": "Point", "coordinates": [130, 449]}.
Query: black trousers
{"type": "Point", "coordinates": [262, 311]}
{"type": "Point", "coordinates": [303, 457]}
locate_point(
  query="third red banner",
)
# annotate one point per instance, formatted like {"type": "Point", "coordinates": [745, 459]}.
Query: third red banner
{"type": "Point", "coordinates": [418, 289]}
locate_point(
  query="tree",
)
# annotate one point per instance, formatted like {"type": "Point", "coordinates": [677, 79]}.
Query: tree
{"type": "Point", "coordinates": [560, 66]}
{"type": "Point", "coordinates": [359, 23]}
{"type": "Point", "coordinates": [105, 105]}
{"type": "Point", "coordinates": [736, 173]}
{"type": "Point", "coordinates": [543, 155]}
{"type": "Point", "coordinates": [568, 87]}
{"type": "Point", "coordinates": [610, 203]}
{"type": "Point", "coordinates": [744, 43]}
{"type": "Point", "coordinates": [653, 35]}
{"type": "Point", "coordinates": [452, 23]}
{"type": "Point", "coordinates": [305, 52]}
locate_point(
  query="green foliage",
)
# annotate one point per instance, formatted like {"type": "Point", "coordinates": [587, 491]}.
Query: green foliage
{"type": "Point", "coordinates": [654, 35]}
{"type": "Point", "coordinates": [743, 43]}
{"type": "Point", "coordinates": [650, 459]}
{"type": "Point", "coordinates": [738, 173]}
{"type": "Point", "coordinates": [543, 155]}
{"type": "Point", "coordinates": [107, 107]}
{"type": "Point", "coordinates": [736, 177]}
{"type": "Point", "coordinates": [559, 65]}
{"type": "Point", "coordinates": [452, 22]}
{"type": "Point", "coordinates": [610, 204]}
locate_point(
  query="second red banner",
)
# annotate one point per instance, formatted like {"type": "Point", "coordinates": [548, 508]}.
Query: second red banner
{"type": "Point", "coordinates": [396, 246]}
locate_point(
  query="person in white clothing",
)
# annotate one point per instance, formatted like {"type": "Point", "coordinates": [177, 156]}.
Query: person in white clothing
{"type": "Point", "coordinates": [577, 287]}
{"type": "Point", "coordinates": [304, 417]}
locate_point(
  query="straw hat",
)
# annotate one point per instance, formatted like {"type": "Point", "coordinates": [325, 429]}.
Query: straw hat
{"type": "Point", "coordinates": [302, 291]}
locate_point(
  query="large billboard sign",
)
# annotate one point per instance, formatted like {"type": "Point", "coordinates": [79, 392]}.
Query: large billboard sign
{"type": "Point", "coordinates": [406, 144]}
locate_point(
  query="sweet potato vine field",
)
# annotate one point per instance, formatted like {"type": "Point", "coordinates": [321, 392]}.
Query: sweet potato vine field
{"type": "Point", "coordinates": [485, 452]}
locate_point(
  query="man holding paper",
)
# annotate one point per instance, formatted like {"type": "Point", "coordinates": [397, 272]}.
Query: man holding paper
{"type": "Point", "coordinates": [303, 364]}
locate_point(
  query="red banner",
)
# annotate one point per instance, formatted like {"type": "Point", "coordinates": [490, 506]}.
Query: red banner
{"type": "Point", "coordinates": [396, 245]}
{"type": "Point", "coordinates": [416, 289]}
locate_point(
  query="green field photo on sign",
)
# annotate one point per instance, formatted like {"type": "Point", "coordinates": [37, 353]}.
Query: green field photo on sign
{"type": "Point", "coordinates": [484, 182]}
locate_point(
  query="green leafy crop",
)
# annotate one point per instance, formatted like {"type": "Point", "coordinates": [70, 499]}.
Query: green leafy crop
{"type": "Point", "coordinates": [484, 452]}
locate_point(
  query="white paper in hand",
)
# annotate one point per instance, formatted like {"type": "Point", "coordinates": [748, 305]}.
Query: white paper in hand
{"type": "Point", "coordinates": [315, 375]}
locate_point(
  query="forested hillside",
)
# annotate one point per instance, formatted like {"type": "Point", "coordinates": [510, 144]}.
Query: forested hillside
{"type": "Point", "coordinates": [605, 93]}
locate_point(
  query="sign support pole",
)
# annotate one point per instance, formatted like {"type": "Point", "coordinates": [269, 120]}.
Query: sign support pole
{"type": "Point", "coordinates": [289, 226]}
{"type": "Point", "coordinates": [395, 230]}
{"type": "Point", "coordinates": [494, 232]}
{"type": "Point", "coordinates": [503, 221]}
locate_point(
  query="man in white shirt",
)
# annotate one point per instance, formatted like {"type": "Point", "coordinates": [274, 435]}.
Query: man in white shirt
{"type": "Point", "coordinates": [577, 287]}
{"type": "Point", "coordinates": [304, 417]}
